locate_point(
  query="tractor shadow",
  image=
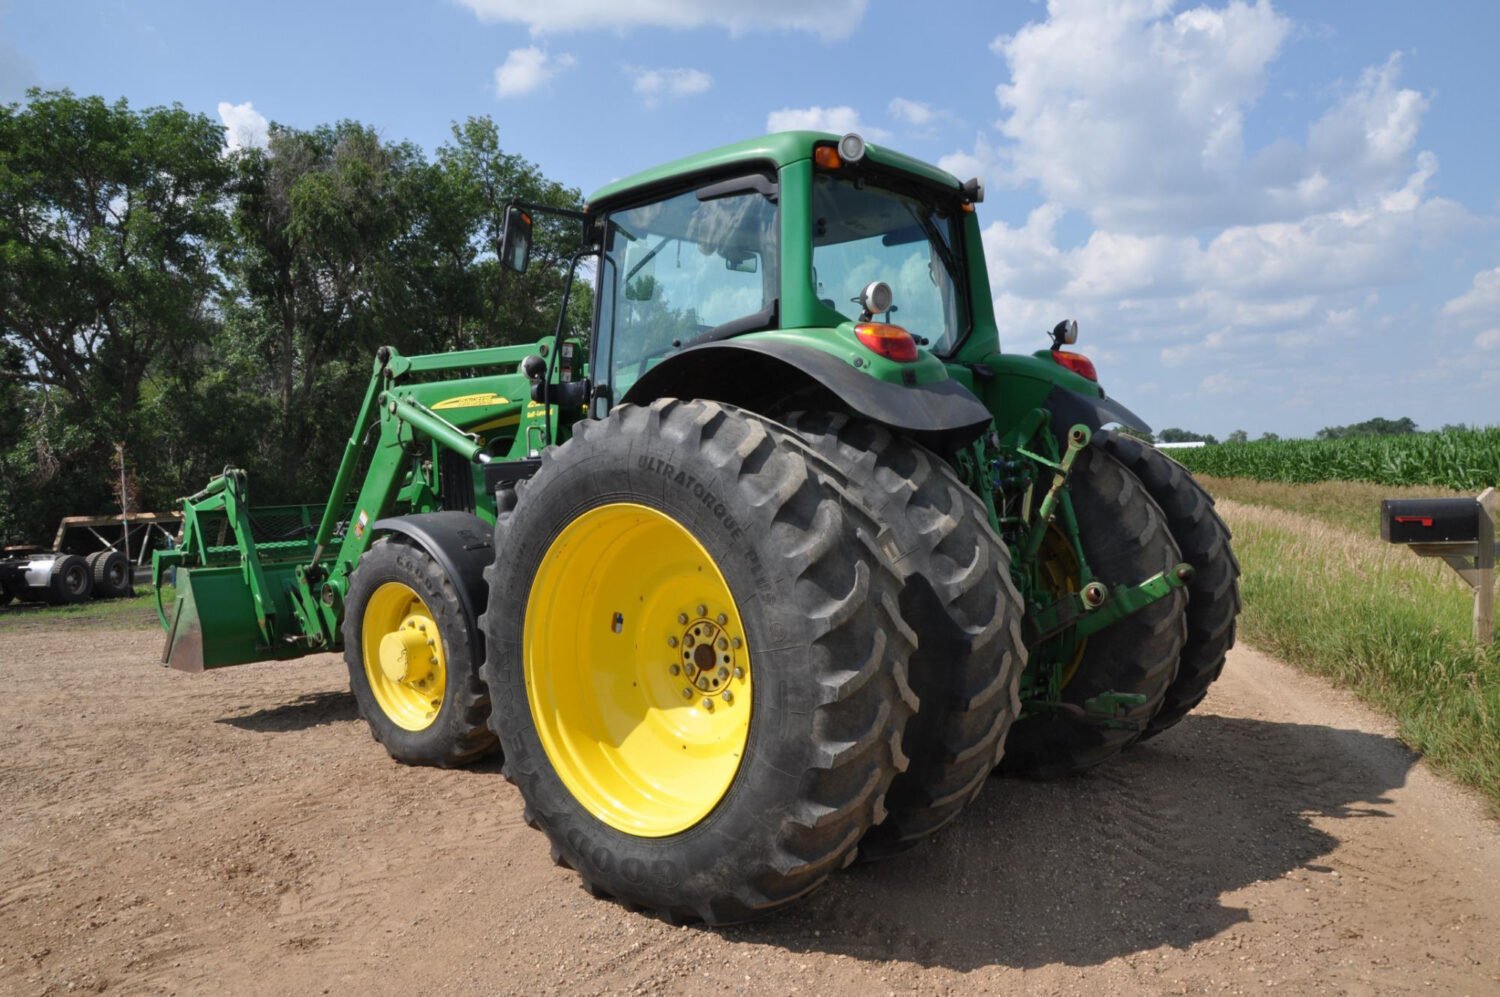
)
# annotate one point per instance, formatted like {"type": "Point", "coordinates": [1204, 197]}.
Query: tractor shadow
{"type": "Point", "coordinates": [315, 709]}
{"type": "Point", "coordinates": [1131, 857]}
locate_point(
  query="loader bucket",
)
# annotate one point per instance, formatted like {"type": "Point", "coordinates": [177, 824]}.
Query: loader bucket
{"type": "Point", "coordinates": [213, 623]}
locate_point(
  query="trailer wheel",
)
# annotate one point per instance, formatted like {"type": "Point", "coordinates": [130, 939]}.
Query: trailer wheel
{"type": "Point", "coordinates": [111, 573]}
{"type": "Point", "coordinates": [698, 660]}
{"type": "Point", "coordinates": [958, 596]}
{"type": "Point", "coordinates": [1213, 592]}
{"type": "Point", "coordinates": [71, 581]}
{"type": "Point", "coordinates": [1125, 540]}
{"type": "Point", "coordinates": [413, 658]}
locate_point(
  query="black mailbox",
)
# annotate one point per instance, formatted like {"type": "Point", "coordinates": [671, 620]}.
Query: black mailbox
{"type": "Point", "coordinates": [1423, 521]}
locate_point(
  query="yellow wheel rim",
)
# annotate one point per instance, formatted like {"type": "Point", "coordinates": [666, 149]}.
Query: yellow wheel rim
{"type": "Point", "coordinates": [637, 670]}
{"type": "Point", "coordinates": [1061, 577]}
{"type": "Point", "coordinates": [405, 664]}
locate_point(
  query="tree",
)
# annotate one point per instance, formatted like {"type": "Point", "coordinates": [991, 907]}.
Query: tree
{"type": "Point", "coordinates": [1370, 427]}
{"type": "Point", "coordinates": [207, 308]}
{"type": "Point", "coordinates": [1269, 437]}
{"type": "Point", "coordinates": [1174, 435]}
{"type": "Point", "coordinates": [109, 222]}
{"type": "Point", "coordinates": [345, 243]}
{"type": "Point", "coordinates": [1238, 436]}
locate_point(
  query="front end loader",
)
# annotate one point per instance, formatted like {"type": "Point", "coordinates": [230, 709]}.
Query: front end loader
{"type": "Point", "coordinates": [767, 573]}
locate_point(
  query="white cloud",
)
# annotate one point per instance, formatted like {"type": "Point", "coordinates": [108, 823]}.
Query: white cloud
{"type": "Point", "coordinates": [1488, 340]}
{"type": "Point", "coordinates": [1177, 241]}
{"type": "Point", "coordinates": [829, 18]}
{"type": "Point", "coordinates": [981, 162]}
{"type": "Point", "coordinates": [838, 120]}
{"type": "Point", "coordinates": [1134, 114]}
{"type": "Point", "coordinates": [525, 69]}
{"type": "Point", "coordinates": [1481, 299]}
{"type": "Point", "coordinates": [657, 85]}
{"type": "Point", "coordinates": [1123, 110]}
{"type": "Point", "coordinates": [244, 126]}
{"type": "Point", "coordinates": [913, 112]}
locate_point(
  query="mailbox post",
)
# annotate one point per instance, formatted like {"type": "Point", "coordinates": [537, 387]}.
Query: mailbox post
{"type": "Point", "coordinates": [1461, 532]}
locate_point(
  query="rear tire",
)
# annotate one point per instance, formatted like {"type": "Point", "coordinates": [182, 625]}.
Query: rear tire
{"type": "Point", "coordinates": [1213, 592]}
{"type": "Point", "coordinates": [111, 573]}
{"type": "Point", "coordinates": [1125, 540]}
{"type": "Point", "coordinates": [425, 702]}
{"type": "Point", "coordinates": [593, 596]}
{"type": "Point", "coordinates": [958, 596]}
{"type": "Point", "coordinates": [70, 582]}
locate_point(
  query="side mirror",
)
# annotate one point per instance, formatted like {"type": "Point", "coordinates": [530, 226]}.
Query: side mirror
{"type": "Point", "coordinates": [749, 263]}
{"type": "Point", "coordinates": [515, 239]}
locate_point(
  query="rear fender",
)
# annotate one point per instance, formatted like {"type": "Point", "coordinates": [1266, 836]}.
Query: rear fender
{"type": "Point", "coordinates": [769, 376]}
{"type": "Point", "coordinates": [1012, 385]}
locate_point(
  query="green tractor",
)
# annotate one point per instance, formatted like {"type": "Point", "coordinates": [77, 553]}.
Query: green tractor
{"type": "Point", "coordinates": [766, 574]}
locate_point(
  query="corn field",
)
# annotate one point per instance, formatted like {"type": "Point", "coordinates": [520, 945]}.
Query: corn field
{"type": "Point", "coordinates": [1466, 460]}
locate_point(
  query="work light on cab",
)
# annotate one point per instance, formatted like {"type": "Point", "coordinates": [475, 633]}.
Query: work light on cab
{"type": "Point", "coordinates": [852, 148]}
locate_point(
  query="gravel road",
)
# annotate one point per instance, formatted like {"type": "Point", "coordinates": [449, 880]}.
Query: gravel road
{"type": "Point", "coordinates": [240, 832]}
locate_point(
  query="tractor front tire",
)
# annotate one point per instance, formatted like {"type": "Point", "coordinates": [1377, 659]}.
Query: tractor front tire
{"type": "Point", "coordinates": [1125, 540]}
{"type": "Point", "coordinates": [957, 594]}
{"type": "Point", "coordinates": [1213, 592]}
{"type": "Point", "coordinates": [413, 658]}
{"type": "Point", "coordinates": [668, 574]}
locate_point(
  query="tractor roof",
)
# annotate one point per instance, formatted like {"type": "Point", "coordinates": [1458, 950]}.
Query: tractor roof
{"type": "Point", "coordinates": [782, 149]}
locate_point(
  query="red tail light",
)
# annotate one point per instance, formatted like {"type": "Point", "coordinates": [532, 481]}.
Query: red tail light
{"type": "Point", "coordinates": [1077, 363]}
{"type": "Point", "coordinates": [890, 341]}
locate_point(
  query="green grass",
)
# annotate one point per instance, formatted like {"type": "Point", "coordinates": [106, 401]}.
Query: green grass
{"type": "Point", "coordinates": [139, 609]}
{"type": "Point", "coordinates": [1349, 505]}
{"type": "Point", "coordinates": [1394, 628]}
{"type": "Point", "coordinates": [1467, 460]}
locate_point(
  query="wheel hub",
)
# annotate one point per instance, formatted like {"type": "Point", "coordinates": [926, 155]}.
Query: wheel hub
{"type": "Point", "coordinates": [406, 655]}
{"type": "Point", "coordinates": [710, 657]}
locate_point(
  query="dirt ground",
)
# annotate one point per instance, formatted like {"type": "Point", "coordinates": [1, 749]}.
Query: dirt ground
{"type": "Point", "coordinates": [240, 832]}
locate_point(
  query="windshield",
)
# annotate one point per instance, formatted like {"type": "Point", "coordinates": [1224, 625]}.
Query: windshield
{"type": "Point", "coordinates": [676, 269]}
{"type": "Point", "coordinates": [863, 233]}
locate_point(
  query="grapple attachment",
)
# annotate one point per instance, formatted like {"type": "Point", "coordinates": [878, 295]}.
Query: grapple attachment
{"type": "Point", "coordinates": [214, 623]}
{"type": "Point", "coordinates": [234, 576]}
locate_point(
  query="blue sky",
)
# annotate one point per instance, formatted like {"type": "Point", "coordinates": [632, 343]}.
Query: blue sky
{"type": "Point", "coordinates": [1269, 216]}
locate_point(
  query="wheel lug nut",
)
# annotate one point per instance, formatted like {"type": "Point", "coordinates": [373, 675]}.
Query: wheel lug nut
{"type": "Point", "coordinates": [671, 641]}
{"type": "Point", "coordinates": [728, 696]}
{"type": "Point", "coordinates": [681, 617]}
{"type": "Point", "coordinates": [687, 693]}
{"type": "Point", "coordinates": [723, 644]}
{"type": "Point", "coordinates": [722, 619]}
{"type": "Point", "coordinates": [691, 670]}
{"type": "Point", "coordinates": [702, 609]}
{"type": "Point", "coordinates": [737, 642]}
{"type": "Point", "coordinates": [739, 673]}
{"type": "Point", "coordinates": [708, 704]}
{"type": "Point", "coordinates": [673, 670]}
{"type": "Point", "coordinates": [723, 674]}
